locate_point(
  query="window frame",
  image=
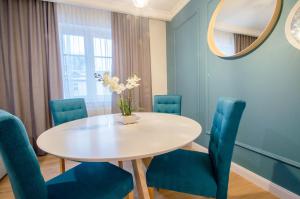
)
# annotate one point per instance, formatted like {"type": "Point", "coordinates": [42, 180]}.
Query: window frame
{"type": "Point", "coordinates": [88, 33]}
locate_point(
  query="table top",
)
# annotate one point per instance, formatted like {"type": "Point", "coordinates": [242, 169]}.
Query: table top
{"type": "Point", "coordinates": [102, 138]}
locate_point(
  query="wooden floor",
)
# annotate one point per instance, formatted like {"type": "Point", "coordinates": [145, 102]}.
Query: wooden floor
{"type": "Point", "coordinates": [239, 188]}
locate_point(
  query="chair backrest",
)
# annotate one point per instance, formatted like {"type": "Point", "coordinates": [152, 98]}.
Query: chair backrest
{"type": "Point", "coordinates": [223, 135]}
{"type": "Point", "coordinates": [20, 160]}
{"type": "Point", "coordinates": [66, 110]}
{"type": "Point", "coordinates": [167, 104]}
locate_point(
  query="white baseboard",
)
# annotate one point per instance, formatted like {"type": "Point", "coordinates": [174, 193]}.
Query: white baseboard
{"type": "Point", "coordinates": [257, 180]}
{"type": "Point", "coordinates": [263, 183]}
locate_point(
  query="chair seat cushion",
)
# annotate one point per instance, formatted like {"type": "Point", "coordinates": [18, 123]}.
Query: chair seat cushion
{"type": "Point", "coordinates": [183, 171]}
{"type": "Point", "coordinates": [91, 181]}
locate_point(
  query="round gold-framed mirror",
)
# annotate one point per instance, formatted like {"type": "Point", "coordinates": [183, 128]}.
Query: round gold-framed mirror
{"type": "Point", "coordinates": [292, 26]}
{"type": "Point", "coordinates": [237, 27]}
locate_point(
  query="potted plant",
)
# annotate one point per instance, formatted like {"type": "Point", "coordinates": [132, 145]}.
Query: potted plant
{"type": "Point", "coordinates": [125, 93]}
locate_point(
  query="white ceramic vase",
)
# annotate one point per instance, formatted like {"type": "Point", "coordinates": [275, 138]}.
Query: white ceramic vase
{"type": "Point", "coordinates": [131, 119]}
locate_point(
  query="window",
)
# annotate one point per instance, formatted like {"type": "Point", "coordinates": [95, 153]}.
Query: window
{"type": "Point", "coordinates": [86, 48]}
{"type": "Point", "coordinates": [75, 76]}
{"type": "Point", "coordinates": [74, 66]}
{"type": "Point", "coordinates": [103, 60]}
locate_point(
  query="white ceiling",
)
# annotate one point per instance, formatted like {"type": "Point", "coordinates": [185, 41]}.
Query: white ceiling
{"type": "Point", "coordinates": [158, 9]}
{"type": "Point", "coordinates": [245, 16]}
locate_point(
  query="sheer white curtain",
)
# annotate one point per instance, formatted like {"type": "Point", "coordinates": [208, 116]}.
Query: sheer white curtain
{"type": "Point", "coordinates": [86, 48]}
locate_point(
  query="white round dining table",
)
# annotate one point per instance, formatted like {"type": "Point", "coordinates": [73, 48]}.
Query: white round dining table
{"type": "Point", "coordinates": [102, 139]}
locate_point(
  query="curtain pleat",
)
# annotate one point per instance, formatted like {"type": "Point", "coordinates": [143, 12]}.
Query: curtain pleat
{"type": "Point", "coordinates": [30, 72]}
{"type": "Point", "coordinates": [241, 41]}
{"type": "Point", "coordinates": [131, 55]}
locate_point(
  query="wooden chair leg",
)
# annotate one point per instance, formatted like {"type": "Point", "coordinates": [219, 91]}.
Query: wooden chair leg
{"type": "Point", "coordinates": [120, 163]}
{"type": "Point", "coordinates": [130, 195]}
{"type": "Point", "coordinates": [62, 166]}
{"type": "Point", "coordinates": [151, 192]}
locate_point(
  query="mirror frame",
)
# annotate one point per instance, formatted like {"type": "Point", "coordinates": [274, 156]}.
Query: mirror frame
{"type": "Point", "coordinates": [288, 23]}
{"type": "Point", "coordinates": [261, 38]}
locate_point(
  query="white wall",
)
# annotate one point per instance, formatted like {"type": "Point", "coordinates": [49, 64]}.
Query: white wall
{"type": "Point", "coordinates": [158, 56]}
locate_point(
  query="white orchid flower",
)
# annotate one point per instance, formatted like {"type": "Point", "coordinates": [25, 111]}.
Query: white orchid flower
{"type": "Point", "coordinates": [114, 86]}
{"type": "Point", "coordinates": [113, 83]}
{"type": "Point", "coordinates": [129, 86]}
{"type": "Point", "coordinates": [136, 78]}
{"type": "Point", "coordinates": [132, 82]}
{"type": "Point", "coordinates": [106, 79]}
{"type": "Point", "coordinates": [120, 89]}
{"type": "Point", "coordinates": [116, 79]}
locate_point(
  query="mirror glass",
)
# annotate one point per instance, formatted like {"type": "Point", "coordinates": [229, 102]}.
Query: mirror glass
{"type": "Point", "coordinates": [238, 26]}
{"type": "Point", "coordinates": [293, 26]}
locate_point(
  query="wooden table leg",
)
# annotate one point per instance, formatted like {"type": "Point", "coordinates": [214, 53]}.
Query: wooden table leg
{"type": "Point", "coordinates": [62, 165]}
{"type": "Point", "coordinates": [140, 179]}
{"type": "Point", "coordinates": [147, 161]}
{"type": "Point", "coordinates": [130, 196]}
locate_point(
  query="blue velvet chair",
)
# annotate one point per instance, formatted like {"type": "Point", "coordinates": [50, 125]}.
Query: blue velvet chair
{"type": "Point", "coordinates": [87, 180]}
{"type": "Point", "coordinates": [201, 173]}
{"type": "Point", "coordinates": [66, 110]}
{"type": "Point", "coordinates": [167, 104]}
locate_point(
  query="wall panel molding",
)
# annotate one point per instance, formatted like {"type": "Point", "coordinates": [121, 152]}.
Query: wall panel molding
{"type": "Point", "coordinates": [266, 153]}
{"type": "Point", "coordinates": [269, 154]}
{"type": "Point", "coordinates": [192, 17]}
{"type": "Point", "coordinates": [175, 29]}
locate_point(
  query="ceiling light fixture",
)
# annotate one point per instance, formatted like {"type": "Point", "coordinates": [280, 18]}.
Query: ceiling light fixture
{"type": "Point", "coordinates": [140, 3]}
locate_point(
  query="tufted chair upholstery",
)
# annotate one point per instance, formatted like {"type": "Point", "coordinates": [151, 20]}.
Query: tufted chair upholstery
{"type": "Point", "coordinates": [201, 173]}
{"type": "Point", "coordinates": [167, 104]}
{"type": "Point", "coordinates": [87, 180]}
{"type": "Point", "coordinates": [66, 110]}
{"type": "Point", "coordinates": [20, 160]}
{"type": "Point", "coordinates": [223, 135]}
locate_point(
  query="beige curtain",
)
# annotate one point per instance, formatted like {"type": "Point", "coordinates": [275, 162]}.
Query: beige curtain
{"type": "Point", "coordinates": [29, 62]}
{"type": "Point", "coordinates": [242, 41]}
{"type": "Point", "coordinates": [131, 55]}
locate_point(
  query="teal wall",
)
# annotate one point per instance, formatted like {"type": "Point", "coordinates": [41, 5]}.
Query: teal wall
{"type": "Point", "coordinates": [268, 79]}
